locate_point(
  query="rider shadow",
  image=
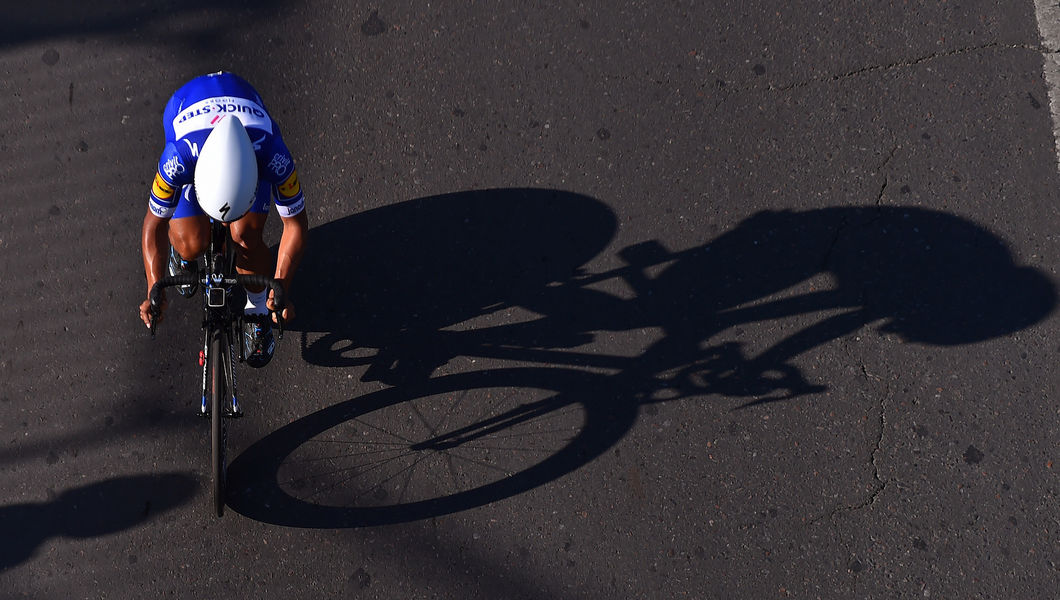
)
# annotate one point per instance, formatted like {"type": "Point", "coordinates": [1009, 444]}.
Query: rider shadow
{"type": "Point", "coordinates": [924, 276]}
{"type": "Point", "coordinates": [392, 278]}
{"type": "Point", "coordinates": [403, 282]}
{"type": "Point", "coordinates": [401, 279]}
{"type": "Point", "coordinates": [97, 509]}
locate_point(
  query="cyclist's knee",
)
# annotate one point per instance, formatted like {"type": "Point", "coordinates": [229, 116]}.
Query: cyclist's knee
{"type": "Point", "coordinates": [247, 233]}
{"type": "Point", "coordinates": [189, 238]}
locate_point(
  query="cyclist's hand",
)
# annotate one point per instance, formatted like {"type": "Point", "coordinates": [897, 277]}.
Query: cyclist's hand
{"type": "Point", "coordinates": [288, 309]}
{"type": "Point", "coordinates": [145, 311]}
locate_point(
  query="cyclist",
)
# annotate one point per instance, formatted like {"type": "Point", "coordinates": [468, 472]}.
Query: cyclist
{"type": "Point", "coordinates": [245, 167]}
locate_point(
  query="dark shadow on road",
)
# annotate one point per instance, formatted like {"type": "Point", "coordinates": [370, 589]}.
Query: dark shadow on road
{"type": "Point", "coordinates": [408, 288]}
{"type": "Point", "coordinates": [201, 24]}
{"type": "Point", "coordinates": [93, 510]}
{"type": "Point", "coordinates": [393, 278]}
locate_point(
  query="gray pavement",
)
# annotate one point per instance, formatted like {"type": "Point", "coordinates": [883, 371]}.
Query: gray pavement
{"type": "Point", "coordinates": [640, 300]}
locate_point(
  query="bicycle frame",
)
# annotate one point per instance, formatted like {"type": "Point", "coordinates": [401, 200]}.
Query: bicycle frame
{"type": "Point", "coordinates": [221, 321]}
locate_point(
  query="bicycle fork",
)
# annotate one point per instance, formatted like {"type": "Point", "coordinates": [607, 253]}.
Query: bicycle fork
{"type": "Point", "coordinates": [230, 376]}
{"type": "Point", "coordinates": [204, 356]}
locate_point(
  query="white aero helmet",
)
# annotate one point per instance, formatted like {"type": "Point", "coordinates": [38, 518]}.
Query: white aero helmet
{"type": "Point", "coordinates": [226, 174]}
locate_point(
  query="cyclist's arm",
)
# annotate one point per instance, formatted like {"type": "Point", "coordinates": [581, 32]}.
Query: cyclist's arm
{"type": "Point", "coordinates": [292, 246]}
{"type": "Point", "coordinates": [155, 246]}
{"type": "Point", "coordinates": [290, 203]}
{"type": "Point", "coordinates": [279, 169]}
{"type": "Point", "coordinates": [155, 237]}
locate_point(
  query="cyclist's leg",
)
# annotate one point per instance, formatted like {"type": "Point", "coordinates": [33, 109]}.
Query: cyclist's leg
{"type": "Point", "coordinates": [252, 255]}
{"type": "Point", "coordinates": [189, 228]}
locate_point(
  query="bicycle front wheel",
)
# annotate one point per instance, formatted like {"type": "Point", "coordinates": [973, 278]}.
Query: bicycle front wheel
{"type": "Point", "coordinates": [218, 429]}
{"type": "Point", "coordinates": [409, 453]}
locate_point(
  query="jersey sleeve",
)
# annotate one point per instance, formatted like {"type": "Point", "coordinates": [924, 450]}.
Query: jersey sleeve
{"type": "Point", "coordinates": [173, 172]}
{"type": "Point", "coordinates": [289, 198]}
{"type": "Point", "coordinates": [278, 168]}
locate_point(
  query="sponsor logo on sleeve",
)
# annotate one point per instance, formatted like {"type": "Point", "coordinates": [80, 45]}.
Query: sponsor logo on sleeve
{"type": "Point", "coordinates": [290, 188]}
{"type": "Point", "coordinates": [160, 210]}
{"type": "Point", "coordinates": [291, 210]}
{"type": "Point", "coordinates": [161, 189]}
{"type": "Point", "coordinates": [173, 167]}
{"type": "Point", "coordinates": [279, 164]}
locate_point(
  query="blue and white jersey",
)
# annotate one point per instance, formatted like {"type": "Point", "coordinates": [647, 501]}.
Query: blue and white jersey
{"type": "Point", "coordinates": [189, 117]}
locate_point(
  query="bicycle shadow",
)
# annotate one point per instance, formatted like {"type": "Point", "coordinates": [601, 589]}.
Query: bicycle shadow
{"type": "Point", "coordinates": [97, 509]}
{"type": "Point", "coordinates": [423, 270]}
{"type": "Point", "coordinates": [390, 279]}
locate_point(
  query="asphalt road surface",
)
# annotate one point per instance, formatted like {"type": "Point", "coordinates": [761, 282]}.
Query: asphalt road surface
{"type": "Point", "coordinates": [602, 300]}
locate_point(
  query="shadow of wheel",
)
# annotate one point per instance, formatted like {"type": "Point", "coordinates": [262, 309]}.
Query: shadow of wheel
{"type": "Point", "coordinates": [454, 443]}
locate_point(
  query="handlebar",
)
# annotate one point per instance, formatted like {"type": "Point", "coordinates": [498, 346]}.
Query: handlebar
{"type": "Point", "coordinates": [278, 294]}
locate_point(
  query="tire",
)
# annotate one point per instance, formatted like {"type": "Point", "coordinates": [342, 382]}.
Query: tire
{"type": "Point", "coordinates": [218, 430]}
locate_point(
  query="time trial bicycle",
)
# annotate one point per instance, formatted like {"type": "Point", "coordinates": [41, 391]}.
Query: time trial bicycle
{"type": "Point", "coordinates": [222, 319]}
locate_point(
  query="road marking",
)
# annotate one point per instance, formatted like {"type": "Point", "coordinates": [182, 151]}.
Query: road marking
{"type": "Point", "coordinates": [1048, 13]}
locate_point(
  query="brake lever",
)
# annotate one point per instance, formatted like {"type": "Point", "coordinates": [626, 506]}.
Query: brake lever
{"type": "Point", "coordinates": [278, 314]}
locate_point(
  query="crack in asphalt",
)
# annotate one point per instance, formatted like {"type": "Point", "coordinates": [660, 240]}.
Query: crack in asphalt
{"type": "Point", "coordinates": [880, 484]}
{"type": "Point", "coordinates": [904, 64]}
{"type": "Point", "coordinates": [846, 223]}
{"type": "Point", "coordinates": [883, 188]}
{"type": "Point", "coordinates": [729, 90]}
